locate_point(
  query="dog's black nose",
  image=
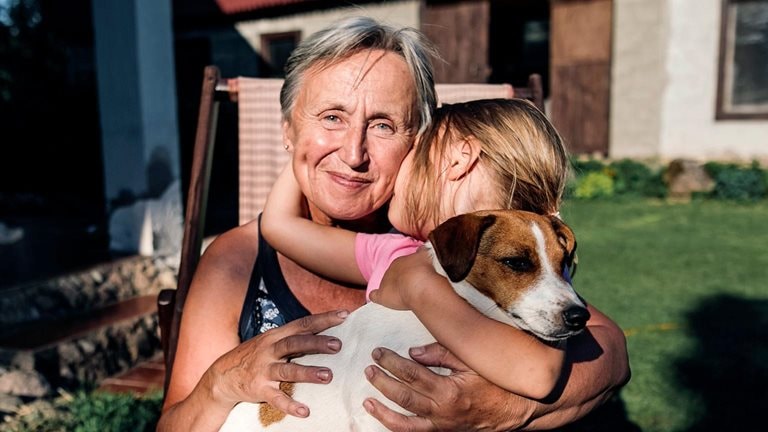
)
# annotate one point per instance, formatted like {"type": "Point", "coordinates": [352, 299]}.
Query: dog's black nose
{"type": "Point", "coordinates": [575, 318]}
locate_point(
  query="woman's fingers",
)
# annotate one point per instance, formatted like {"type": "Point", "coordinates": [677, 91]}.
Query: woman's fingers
{"type": "Point", "coordinates": [299, 336]}
{"type": "Point", "coordinates": [437, 355]}
{"type": "Point", "coordinates": [415, 375]}
{"type": "Point", "coordinates": [400, 392]}
{"type": "Point", "coordinates": [283, 402]}
{"type": "Point", "coordinates": [311, 324]}
{"type": "Point", "coordinates": [395, 421]}
{"type": "Point", "coordinates": [296, 345]}
{"type": "Point", "coordinates": [292, 372]}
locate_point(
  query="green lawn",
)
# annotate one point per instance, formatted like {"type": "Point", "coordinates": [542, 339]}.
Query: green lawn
{"type": "Point", "coordinates": [688, 283]}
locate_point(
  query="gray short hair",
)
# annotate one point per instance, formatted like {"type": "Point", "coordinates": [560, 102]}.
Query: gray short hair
{"type": "Point", "coordinates": [352, 35]}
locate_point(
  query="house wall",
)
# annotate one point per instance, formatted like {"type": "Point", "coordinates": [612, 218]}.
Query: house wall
{"type": "Point", "coordinates": [664, 84]}
{"type": "Point", "coordinates": [638, 77]}
{"type": "Point", "coordinates": [580, 65]}
{"type": "Point", "coordinates": [398, 13]}
{"type": "Point", "coordinates": [465, 52]}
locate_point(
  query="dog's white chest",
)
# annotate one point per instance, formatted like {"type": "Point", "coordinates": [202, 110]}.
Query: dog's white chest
{"type": "Point", "coordinates": [338, 406]}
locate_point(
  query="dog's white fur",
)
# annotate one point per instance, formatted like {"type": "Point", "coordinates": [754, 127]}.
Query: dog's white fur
{"type": "Point", "coordinates": [338, 406]}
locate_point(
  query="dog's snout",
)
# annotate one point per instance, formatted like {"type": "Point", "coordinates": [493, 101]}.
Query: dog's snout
{"type": "Point", "coordinates": [575, 318]}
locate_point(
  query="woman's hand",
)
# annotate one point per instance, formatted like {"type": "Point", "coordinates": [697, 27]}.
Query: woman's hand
{"type": "Point", "coordinates": [254, 369]}
{"type": "Point", "coordinates": [460, 401]}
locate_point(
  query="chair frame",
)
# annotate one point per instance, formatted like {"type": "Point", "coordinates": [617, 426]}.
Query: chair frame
{"type": "Point", "coordinates": [170, 302]}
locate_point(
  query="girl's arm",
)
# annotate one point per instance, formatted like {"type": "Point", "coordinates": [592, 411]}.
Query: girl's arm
{"type": "Point", "coordinates": [504, 355]}
{"type": "Point", "coordinates": [327, 250]}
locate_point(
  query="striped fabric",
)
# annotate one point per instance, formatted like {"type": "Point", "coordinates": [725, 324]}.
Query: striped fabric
{"type": "Point", "coordinates": [260, 148]}
{"type": "Point", "coordinates": [453, 93]}
{"type": "Point", "coordinates": [261, 152]}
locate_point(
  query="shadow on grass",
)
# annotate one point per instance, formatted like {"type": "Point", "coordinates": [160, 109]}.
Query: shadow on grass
{"type": "Point", "coordinates": [610, 417]}
{"type": "Point", "coordinates": [727, 371]}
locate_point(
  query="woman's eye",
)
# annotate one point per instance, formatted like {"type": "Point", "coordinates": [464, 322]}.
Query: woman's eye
{"type": "Point", "coordinates": [332, 118]}
{"type": "Point", "coordinates": [383, 128]}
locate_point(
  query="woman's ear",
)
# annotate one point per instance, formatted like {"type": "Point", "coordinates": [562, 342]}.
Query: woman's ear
{"type": "Point", "coordinates": [462, 157]}
{"type": "Point", "coordinates": [287, 136]}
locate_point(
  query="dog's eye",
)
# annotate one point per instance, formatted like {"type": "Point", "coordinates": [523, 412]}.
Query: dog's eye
{"type": "Point", "coordinates": [518, 264]}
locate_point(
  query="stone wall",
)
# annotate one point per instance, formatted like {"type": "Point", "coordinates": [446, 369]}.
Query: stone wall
{"type": "Point", "coordinates": [86, 358]}
{"type": "Point", "coordinates": [79, 292]}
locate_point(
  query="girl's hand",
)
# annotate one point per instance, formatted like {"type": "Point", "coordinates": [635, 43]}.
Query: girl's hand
{"type": "Point", "coordinates": [404, 281]}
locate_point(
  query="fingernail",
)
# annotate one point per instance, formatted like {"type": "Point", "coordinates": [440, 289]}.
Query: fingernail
{"type": "Point", "coordinates": [368, 405]}
{"type": "Point", "coordinates": [342, 314]}
{"type": "Point", "coordinates": [324, 374]}
{"type": "Point", "coordinates": [417, 351]}
{"type": "Point", "coordinates": [376, 354]}
{"type": "Point", "coordinates": [334, 344]}
{"type": "Point", "coordinates": [302, 411]}
{"type": "Point", "coordinates": [369, 372]}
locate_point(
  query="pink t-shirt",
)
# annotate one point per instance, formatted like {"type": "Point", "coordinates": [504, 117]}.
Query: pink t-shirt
{"type": "Point", "coordinates": [375, 252]}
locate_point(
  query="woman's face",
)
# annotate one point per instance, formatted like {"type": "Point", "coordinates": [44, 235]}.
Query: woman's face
{"type": "Point", "coordinates": [351, 126]}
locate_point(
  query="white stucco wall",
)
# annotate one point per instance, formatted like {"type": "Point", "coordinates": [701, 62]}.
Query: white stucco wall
{"type": "Point", "coordinates": [396, 13]}
{"type": "Point", "coordinates": [638, 77]}
{"type": "Point", "coordinates": [667, 86]}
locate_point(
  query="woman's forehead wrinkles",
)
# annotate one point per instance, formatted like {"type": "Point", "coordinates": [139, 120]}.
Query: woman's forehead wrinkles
{"type": "Point", "coordinates": [365, 67]}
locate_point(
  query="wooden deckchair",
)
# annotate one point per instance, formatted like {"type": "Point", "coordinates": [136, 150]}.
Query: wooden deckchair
{"type": "Point", "coordinates": [261, 156]}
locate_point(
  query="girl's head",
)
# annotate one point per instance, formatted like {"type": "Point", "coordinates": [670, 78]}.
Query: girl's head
{"type": "Point", "coordinates": [480, 155]}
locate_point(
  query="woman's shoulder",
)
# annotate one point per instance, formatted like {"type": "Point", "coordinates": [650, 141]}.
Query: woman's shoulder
{"type": "Point", "coordinates": [231, 255]}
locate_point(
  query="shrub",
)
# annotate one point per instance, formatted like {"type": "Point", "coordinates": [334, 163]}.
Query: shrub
{"type": "Point", "coordinates": [93, 412]}
{"type": "Point", "coordinates": [593, 178]}
{"type": "Point", "coordinates": [583, 167]}
{"type": "Point", "coordinates": [593, 185]}
{"type": "Point", "coordinates": [734, 182]}
{"type": "Point", "coordinates": [633, 178]}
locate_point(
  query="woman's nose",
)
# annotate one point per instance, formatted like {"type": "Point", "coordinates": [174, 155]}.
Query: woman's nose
{"type": "Point", "coordinates": [353, 151]}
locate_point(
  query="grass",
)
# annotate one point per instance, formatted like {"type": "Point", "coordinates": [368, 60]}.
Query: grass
{"type": "Point", "coordinates": [688, 283]}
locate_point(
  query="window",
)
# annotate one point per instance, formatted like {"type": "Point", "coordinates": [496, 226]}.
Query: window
{"type": "Point", "coordinates": [743, 72]}
{"type": "Point", "coordinates": [275, 49]}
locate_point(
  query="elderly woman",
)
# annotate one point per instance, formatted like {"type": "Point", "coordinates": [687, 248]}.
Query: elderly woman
{"type": "Point", "coordinates": [355, 96]}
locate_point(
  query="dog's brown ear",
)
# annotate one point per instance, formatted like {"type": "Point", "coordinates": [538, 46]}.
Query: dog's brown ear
{"type": "Point", "coordinates": [566, 238]}
{"type": "Point", "coordinates": [456, 241]}
{"type": "Point", "coordinates": [564, 234]}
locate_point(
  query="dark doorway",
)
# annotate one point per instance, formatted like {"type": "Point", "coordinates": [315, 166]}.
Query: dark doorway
{"type": "Point", "coordinates": [519, 42]}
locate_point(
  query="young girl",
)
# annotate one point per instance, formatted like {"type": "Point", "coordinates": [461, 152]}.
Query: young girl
{"type": "Point", "coordinates": [478, 155]}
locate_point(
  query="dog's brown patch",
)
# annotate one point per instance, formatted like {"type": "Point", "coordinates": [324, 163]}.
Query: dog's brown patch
{"type": "Point", "coordinates": [509, 238]}
{"type": "Point", "coordinates": [269, 414]}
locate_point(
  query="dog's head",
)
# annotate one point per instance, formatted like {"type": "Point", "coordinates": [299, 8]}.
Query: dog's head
{"type": "Point", "coordinates": [519, 261]}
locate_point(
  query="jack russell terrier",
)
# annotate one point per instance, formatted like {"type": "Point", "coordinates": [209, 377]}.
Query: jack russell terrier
{"type": "Point", "coordinates": [511, 265]}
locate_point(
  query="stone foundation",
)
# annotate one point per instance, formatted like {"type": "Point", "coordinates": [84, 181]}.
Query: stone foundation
{"type": "Point", "coordinates": [80, 292]}
{"type": "Point", "coordinates": [87, 357]}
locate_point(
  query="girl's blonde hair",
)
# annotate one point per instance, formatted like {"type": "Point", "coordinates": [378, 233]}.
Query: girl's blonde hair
{"type": "Point", "coordinates": [519, 147]}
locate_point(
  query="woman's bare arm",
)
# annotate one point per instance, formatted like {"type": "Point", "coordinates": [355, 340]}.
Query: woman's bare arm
{"type": "Point", "coordinates": [211, 364]}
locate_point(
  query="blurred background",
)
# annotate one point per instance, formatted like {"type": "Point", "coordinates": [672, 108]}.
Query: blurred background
{"type": "Point", "coordinates": [99, 99]}
{"type": "Point", "coordinates": [99, 103]}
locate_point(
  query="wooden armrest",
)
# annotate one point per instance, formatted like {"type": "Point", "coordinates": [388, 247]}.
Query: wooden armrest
{"type": "Point", "coordinates": [166, 301]}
